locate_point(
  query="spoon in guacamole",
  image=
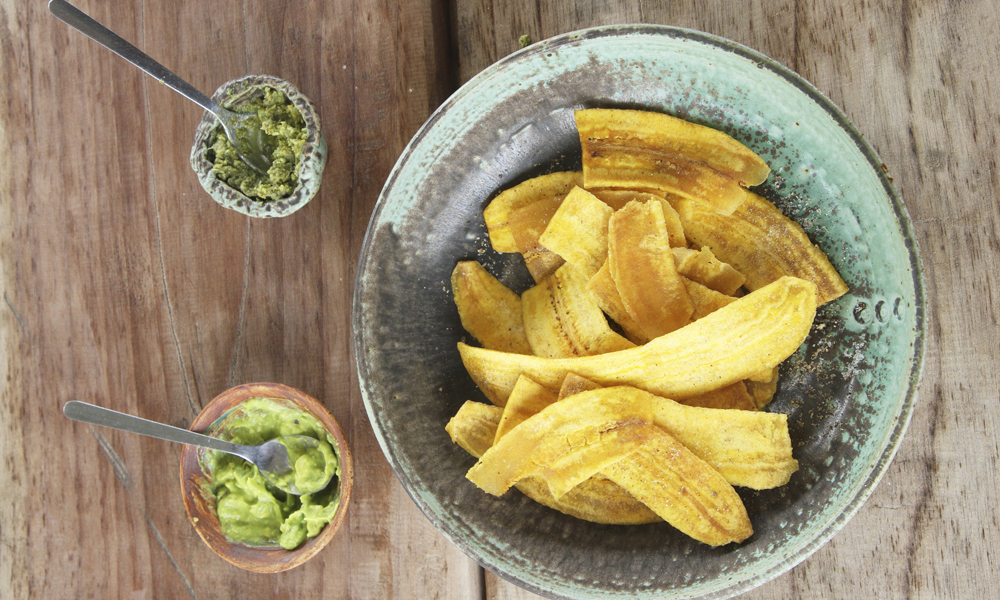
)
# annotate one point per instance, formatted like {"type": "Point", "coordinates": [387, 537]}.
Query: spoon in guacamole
{"type": "Point", "coordinates": [243, 130]}
{"type": "Point", "coordinates": [292, 463]}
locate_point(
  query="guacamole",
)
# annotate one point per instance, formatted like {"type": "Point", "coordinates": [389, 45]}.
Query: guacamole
{"type": "Point", "coordinates": [280, 120]}
{"type": "Point", "coordinates": [251, 510]}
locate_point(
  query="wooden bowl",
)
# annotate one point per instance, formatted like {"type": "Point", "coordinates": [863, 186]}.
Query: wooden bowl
{"type": "Point", "coordinates": [200, 506]}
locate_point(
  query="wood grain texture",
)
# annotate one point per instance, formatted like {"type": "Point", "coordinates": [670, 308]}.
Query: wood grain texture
{"type": "Point", "coordinates": [124, 285]}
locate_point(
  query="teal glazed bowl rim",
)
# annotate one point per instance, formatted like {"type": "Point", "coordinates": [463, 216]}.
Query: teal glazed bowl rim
{"type": "Point", "coordinates": [849, 390]}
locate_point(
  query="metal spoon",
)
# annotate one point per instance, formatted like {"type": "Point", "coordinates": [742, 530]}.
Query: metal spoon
{"type": "Point", "coordinates": [270, 457]}
{"type": "Point", "coordinates": [243, 130]}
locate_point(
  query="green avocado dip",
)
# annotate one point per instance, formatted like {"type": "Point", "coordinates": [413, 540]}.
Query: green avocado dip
{"type": "Point", "coordinates": [284, 123]}
{"type": "Point", "coordinates": [252, 511]}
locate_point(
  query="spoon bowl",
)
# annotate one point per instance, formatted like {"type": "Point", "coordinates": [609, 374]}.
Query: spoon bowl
{"type": "Point", "coordinates": [245, 134]}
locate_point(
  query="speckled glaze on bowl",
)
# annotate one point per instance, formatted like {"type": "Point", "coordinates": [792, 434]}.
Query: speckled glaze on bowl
{"type": "Point", "coordinates": [848, 391]}
{"type": "Point", "coordinates": [314, 151]}
{"type": "Point", "coordinates": [200, 507]}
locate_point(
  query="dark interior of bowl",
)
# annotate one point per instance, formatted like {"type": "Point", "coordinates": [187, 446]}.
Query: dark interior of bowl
{"type": "Point", "coordinates": [846, 401]}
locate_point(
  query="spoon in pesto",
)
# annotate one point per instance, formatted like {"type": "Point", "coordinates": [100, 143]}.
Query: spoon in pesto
{"type": "Point", "coordinates": [271, 457]}
{"type": "Point", "coordinates": [242, 130]}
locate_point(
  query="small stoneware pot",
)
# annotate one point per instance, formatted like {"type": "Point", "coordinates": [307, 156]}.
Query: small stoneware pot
{"type": "Point", "coordinates": [200, 505]}
{"type": "Point", "coordinates": [239, 91]}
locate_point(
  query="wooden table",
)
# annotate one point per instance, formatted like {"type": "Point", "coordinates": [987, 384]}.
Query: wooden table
{"type": "Point", "coordinates": [124, 285]}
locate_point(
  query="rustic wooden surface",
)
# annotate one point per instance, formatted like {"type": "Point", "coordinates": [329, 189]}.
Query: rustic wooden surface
{"type": "Point", "coordinates": [125, 286]}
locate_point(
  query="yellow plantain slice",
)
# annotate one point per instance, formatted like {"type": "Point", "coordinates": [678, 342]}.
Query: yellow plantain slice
{"type": "Point", "coordinates": [733, 396]}
{"type": "Point", "coordinates": [573, 384]}
{"type": "Point", "coordinates": [527, 400]}
{"type": "Point", "coordinates": [762, 244]}
{"type": "Point", "coordinates": [697, 143]}
{"type": "Point", "coordinates": [763, 376]}
{"type": "Point", "coordinates": [499, 210]}
{"type": "Point", "coordinates": [602, 288]}
{"type": "Point", "coordinates": [605, 293]}
{"type": "Point", "coordinates": [648, 170]}
{"type": "Point", "coordinates": [754, 333]}
{"type": "Point", "coordinates": [474, 426]}
{"type": "Point", "coordinates": [705, 301]}
{"type": "Point", "coordinates": [617, 199]}
{"type": "Point", "coordinates": [748, 448]}
{"type": "Point", "coordinates": [644, 271]}
{"type": "Point", "coordinates": [655, 152]}
{"type": "Point", "coordinates": [703, 267]}
{"type": "Point", "coordinates": [567, 442]}
{"type": "Point", "coordinates": [526, 225]}
{"type": "Point", "coordinates": [763, 392]}
{"type": "Point", "coordinates": [597, 499]}
{"type": "Point", "coordinates": [578, 231]}
{"type": "Point", "coordinates": [683, 490]}
{"type": "Point", "coordinates": [721, 438]}
{"type": "Point", "coordinates": [489, 311]}
{"type": "Point", "coordinates": [562, 319]}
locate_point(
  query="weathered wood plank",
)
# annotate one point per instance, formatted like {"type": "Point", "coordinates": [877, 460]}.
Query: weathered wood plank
{"type": "Point", "coordinates": [126, 286]}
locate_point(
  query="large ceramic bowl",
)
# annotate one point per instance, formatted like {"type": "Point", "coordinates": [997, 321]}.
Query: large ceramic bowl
{"type": "Point", "coordinates": [849, 391]}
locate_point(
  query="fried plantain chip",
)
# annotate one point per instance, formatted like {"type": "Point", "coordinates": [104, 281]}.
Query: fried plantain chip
{"type": "Point", "coordinates": [567, 442]}
{"type": "Point", "coordinates": [527, 400]}
{"type": "Point", "coordinates": [644, 270]}
{"type": "Point", "coordinates": [562, 319]}
{"type": "Point", "coordinates": [598, 500]}
{"type": "Point", "coordinates": [655, 152]}
{"type": "Point", "coordinates": [602, 288]}
{"type": "Point", "coordinates": [526, 225]}
{"type": "Point", "coordinates": [705, 301]}
{"type": "Point", "coordinates": [733, 396]}
{"type": "Point", "coordinates": [658, 131]}
{"type": "Point", "coordinates": [617, 199]}
{"type": "Point", "coordinates": [578, 231]}
{"type": "Point", "coordinates": [762, 244]}
{"type": "Point", "coordinates": [763, 392]}
{"type": "Point", "coordinates": [748, 448]}
{"type": "Point", "coordinates": [703, 267]}
{"type": "Point", "coordinates": [763, 376]}
{"type": "Point", "coordinates": [605, 293]}
{"type": "Point", "coordinates": [474, 426]}
{"type": "Point", "coordinates": [573, 384]}
{"type": "Point", "coordinates": [754, 333]}
{"type": "Point", "coordinates": [550, 187]}
{"type": "Point", "coordinates": [489, 311]}
{"type": "Point", "coordinates": [683, 490]}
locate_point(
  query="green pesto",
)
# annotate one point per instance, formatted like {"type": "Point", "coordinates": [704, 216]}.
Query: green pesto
{"type": "Point", "coordinates": [280, 120]}
{"type": "Point", "coordinates": [251, 510]}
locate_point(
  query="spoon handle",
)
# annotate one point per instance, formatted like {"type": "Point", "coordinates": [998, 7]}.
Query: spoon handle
{"type": "Point", "coordinates": [74, 17]}
{"type": "Point", "coordinates": [95, 415]}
